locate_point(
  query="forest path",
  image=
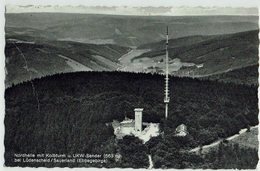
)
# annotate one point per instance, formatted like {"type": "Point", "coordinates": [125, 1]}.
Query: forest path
{"type": "Point", "coordinates": [76, 66]}
{"type": "Point", "coordinates": [150, 161]}
{"type": "Point", "coordinates": [207, 147]}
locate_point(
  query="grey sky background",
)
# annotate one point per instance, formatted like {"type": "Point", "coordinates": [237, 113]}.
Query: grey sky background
{"type": "Point", "coordinates": [222, 3]}
{"type": "Point", "coordinates": [137, 7]}
{"type": "Point", "coordinates": [128, 10]}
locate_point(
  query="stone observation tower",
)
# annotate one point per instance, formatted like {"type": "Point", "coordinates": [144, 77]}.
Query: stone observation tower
{"type": "Point", "coordinates": [166, 91]}
{"type": "Point", "coordinates": [133, 127]}
{"type": "Point", "coordinates": [138, 119]}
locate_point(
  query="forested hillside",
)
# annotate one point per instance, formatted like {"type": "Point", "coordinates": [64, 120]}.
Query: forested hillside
{"type": "Point", "coordinates": [216, 53]}
{"type": "Point", "coordinates": [33, 57]}
{"type": "Point", "coordinates": [246, 75]}
{"type": "Point", "coordinates": [74, 107]}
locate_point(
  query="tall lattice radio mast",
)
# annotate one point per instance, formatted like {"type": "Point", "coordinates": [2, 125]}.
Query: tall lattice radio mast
{"type": "Point", "coordinates": [166, 91]}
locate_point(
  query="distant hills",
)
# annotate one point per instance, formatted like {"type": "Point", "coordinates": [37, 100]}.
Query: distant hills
{"type": "Point", "coordinates": [200, 46]}
{"type": "Point", "coordinates": [53, 108]}
{"type": "Point", "coordinates": [210, 55]}
{"type": "Point", "coordinates": [29, 57]}
{"type": "Point", "coordinates": [124, 30]}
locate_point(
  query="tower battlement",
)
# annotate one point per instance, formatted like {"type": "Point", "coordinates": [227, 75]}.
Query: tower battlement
{"type": "Point", "coordinates": [138, 119]}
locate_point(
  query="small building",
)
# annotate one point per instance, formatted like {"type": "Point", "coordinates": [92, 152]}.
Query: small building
{"type": "Point", "coordinates": [127, 122]}
{"type": "Point", "coordinates": [181, 131]}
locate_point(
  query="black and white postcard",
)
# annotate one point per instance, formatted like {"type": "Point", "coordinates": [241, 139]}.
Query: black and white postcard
{"type": "Point", "coordinates": [130, 84]}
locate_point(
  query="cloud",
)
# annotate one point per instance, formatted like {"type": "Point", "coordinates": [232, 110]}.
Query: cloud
{"type": "Point", "coordinates": [128, 10]}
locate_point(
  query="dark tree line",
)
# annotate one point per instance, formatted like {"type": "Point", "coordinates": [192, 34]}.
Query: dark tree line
{"type": "Point", "coordinates": [74, 108]}
{"type": "Point", "coordinates": [231, 156]}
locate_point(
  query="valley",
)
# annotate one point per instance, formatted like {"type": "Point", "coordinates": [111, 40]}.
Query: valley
{"type": "Point", "coordinates": [202, 56]}
{"type": "Point", "coordinates": [69, 75]}
{"type": "Point", "coordinates": [44, 57]}
{"type": "Point", "coordinates": [55, 46]}
{"type": "Point", "coordinates": [205, 55]}
{"type": "Point", "coordinates": [127, 64]}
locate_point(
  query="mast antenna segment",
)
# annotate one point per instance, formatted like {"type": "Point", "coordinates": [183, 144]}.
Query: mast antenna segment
{"type": "Point", "coordinates": [166, 91]}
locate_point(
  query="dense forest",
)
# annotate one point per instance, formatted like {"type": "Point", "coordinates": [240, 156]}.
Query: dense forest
{"type": "Point", "coordinates": [67, 113]}
{"type": "Point", "coordinates": [226, 156]}
{"type": "Point", "coordinates": [246, 75]}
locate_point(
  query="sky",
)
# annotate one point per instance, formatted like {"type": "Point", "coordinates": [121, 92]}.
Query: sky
{"type": "Point", "coordinates": [137, 7]}
{"type": "Point", "coordinates": [222, 3]}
